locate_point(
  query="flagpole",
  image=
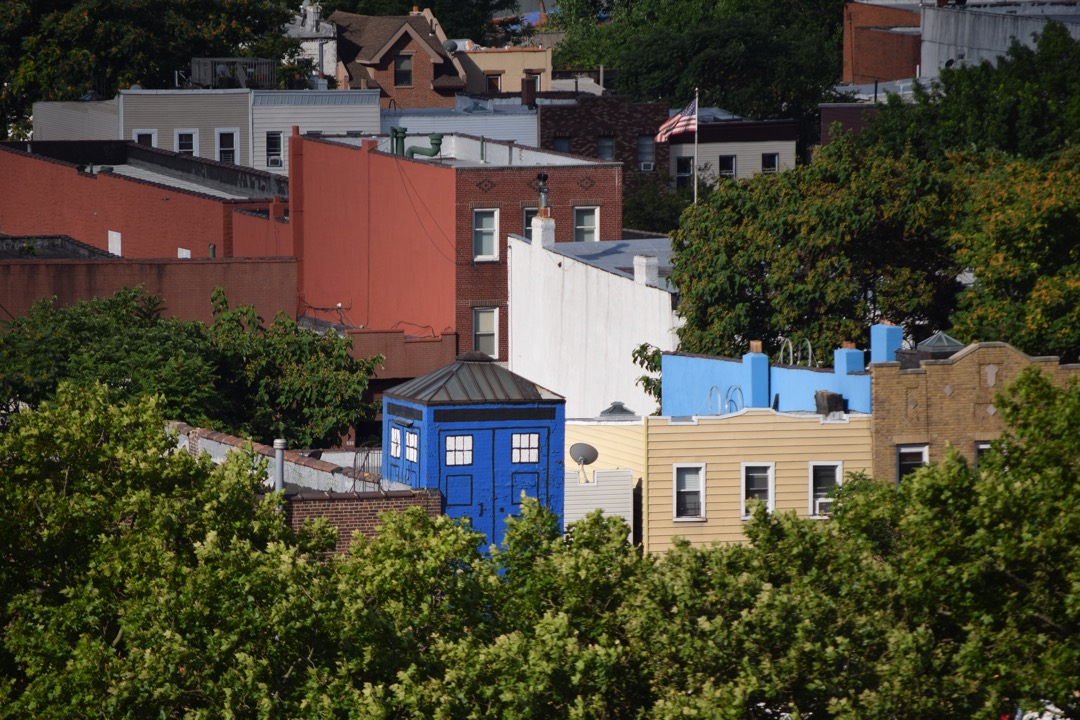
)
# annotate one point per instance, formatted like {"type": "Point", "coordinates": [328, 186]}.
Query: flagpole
{"type": "Point", "coordinates": [697, 107]}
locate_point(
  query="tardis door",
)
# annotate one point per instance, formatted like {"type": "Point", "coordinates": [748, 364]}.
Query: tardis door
{"type": "Point", "coordinates": [394, 452]}
{"type": "Point", "coordinates": [465, 477]}
{"type": "Point", "coordinates": [520, 462]}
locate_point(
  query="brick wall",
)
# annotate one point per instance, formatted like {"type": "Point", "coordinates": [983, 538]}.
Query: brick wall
{"type": "Point", "coordinates": [421, 94]}
{"type": "Point", "coordinates": [851, 116]}
{"type": "Point", "coordinates": [510, 190]}
{"type": "Point", "coordinates": [947, 402]}
{"type": "Point", "coordinates": [871, 53]}
{"type": "Point", "coordinates": [404, 357]}
{"type": "Point", "coordinates": [356, 512]}
{"type": "Point", "coordinates": [185, 285]}
{"type": "Point", "coordinates": [615, 116]}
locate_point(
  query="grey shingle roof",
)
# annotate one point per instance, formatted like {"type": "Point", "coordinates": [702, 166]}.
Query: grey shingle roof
{"type": "Point", "coordinates": [473, 379]}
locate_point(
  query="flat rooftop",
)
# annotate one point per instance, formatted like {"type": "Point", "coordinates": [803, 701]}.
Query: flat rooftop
{"type": "Point", "coordinates": [467, 151]}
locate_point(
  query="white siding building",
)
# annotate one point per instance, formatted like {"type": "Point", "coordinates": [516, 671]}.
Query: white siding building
{"type": "Point", "coordinates": [578, 310]}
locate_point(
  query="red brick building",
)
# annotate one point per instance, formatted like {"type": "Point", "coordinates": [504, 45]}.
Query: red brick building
{"type": "Point", "coordinates": [881, 42]}
{"type": "Point", "coordinates": [400, 55]}
{"type": "Point", "coordinates": [387, 242]}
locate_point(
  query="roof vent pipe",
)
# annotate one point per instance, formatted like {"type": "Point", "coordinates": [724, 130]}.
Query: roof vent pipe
{"type": "Point", "coordinates": [279, 465]}
{"type": "Point", "coordinates": [435, 149]}
{"type": "Point", "coordinates": [397, 140]}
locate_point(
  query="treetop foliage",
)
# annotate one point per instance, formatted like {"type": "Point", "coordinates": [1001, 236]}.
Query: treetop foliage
{"type": "Point", "coordinates": [139, 581]}
{"type": "Point", "coordinates": [236, 376]}
{"type": "Point", "coordinates": [64, 49]}
{"type": "Point", "coordinates": [459, 18]}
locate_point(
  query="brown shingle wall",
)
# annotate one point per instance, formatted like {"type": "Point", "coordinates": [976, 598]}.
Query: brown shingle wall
{"type": "Point", "coordinates": [947, 402]}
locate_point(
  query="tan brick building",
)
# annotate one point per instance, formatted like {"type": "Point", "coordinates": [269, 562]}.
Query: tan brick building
{"type": "Point", "coordinates": [918, 412]}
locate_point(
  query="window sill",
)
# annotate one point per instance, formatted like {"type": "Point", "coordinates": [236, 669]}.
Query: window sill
{"type": "Point", "coordinates": [485, 259]}
{"type": "Point", "coordinates": [689, 519]}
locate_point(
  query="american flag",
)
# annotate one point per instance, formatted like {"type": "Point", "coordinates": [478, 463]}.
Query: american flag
{"type": "Point", "coordinates": [682, 121]}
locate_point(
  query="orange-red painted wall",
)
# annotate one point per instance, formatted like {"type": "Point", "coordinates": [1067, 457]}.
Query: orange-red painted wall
{"type": "Point", "coordinates": [40, 196]}
{"type": "Point", "coordinates": [185, 285]}
{"type": "Point", "coordinates": [375, 233]}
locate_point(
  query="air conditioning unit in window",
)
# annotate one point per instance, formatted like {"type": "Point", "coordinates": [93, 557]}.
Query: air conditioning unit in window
{"type": "Point", "coordinates": [273, 162]}
{"type": "Point", "coordinates": [648, 167]}
{"type": "Point", "coordinates": [823, 506]}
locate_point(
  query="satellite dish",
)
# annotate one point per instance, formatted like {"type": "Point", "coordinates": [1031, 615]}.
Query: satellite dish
{"type": "Point", "coordinates": [583, 453]}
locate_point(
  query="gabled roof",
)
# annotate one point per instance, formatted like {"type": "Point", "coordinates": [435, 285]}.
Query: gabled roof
{"type": "Point", "coordinates": [474, 378]}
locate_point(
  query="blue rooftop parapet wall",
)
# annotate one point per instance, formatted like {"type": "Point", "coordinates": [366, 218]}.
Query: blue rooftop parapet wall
{"type": "Point", "coordinates": [885, 340]}
{"type": "Point", "coordinates": [700, 385]}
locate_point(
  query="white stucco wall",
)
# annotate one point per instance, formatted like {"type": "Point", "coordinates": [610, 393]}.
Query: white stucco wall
{"type": "Point", "coordinates": [573, 328]}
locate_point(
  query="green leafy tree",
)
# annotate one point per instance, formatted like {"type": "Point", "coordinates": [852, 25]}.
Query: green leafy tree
{"type": "Point", "coordinates": [819, 252]}
{"type": "Point", "coordinates": [1017, 234]}
{"type": "Point", "coordinates": [1027, 103]}
{"type": "Point", "coordinates": [237, 376]}
{"type": "Point", "coordinates": [52, 50]}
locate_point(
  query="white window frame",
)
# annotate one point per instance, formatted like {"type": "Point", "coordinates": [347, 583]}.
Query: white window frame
{"type": "Point", "coordinates": [194, 132]}
{"type": "Point", "coordinates": [527, 215]}
{"type": "Point", "coordinates": [116, 243]}
{"type": "Point", "coordinates": [459, 450]}
{"type": "Point", "coordinates": [412, 446]}
{"type": "Point", "coordinates": [770, 170]}
{"type": "Point", "coordinates": [280, 154]}
{"type": "Point", "coordinates": [525, 448]}
{"type": "Point", "coordinates": [981, 448]}
{"type": "Point", "coordinates": [395, 442]}
{"type": "Point", "coordinates": [495, 312]}
{"type": "Point", "coordinates": [839, 465]}
{"type": "Point", "coordinates": [700, 467]}
{"type": "Point", "coordinates": [183, 253]}
{"type": "Point", "coordinates": [152, 132]}
{"type": "Point", "coordinates": [911, 447]}
{"type": "Point", "coordinates": [490, 76]}
{"type": "Point", "coordinates": [494, 236]}
{"type": "Point", "coordinates": [770, 502]}
{"type": "Point", "coordinates": [596, 223]}
{"type": "Point", "coordinates": [218, 132]}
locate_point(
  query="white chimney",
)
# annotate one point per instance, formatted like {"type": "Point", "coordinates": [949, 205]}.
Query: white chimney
{"type": "Point", "coordinates": [646, 270]}
{"type": "Point", "coordinates": [543, 229]}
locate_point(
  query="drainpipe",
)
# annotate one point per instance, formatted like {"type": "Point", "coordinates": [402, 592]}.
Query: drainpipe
{"type": "Point", "coordinates": [435, 149]}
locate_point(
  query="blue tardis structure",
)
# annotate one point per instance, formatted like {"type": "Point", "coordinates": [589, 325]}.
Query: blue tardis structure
{"type": "Point", "coordinates": [479, 434]}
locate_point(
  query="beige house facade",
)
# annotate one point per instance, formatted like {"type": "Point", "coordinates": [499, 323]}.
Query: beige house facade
{"type": "Point", "coordinates": [699, 476]}
{"type": "Point", "coordinates": [504, 69]}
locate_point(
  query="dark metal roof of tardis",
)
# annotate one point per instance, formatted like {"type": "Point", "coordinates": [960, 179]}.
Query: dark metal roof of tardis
{"type": "Point", "coordinates": [474, 378]}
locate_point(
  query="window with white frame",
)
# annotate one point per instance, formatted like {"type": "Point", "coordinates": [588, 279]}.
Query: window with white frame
{"type": "Point", "coordinates": [770, 163]}
{"type": "Point", "coordinates": [605, 147]}
{"type": "Point", "coordinates": [486, 331]}
{"type": "Point", "coordinates": [115, 243]}
{"type": "Point", "coordinates": [494, 82]}
{"type": "Point", "coordinates": [226, 144]}
{"type": "Point", "coordinates": [412, 446]}
{"type": "Point", "coordinates": [485, 235]}
{"type": "Point", "coordinates": [725, 166]}
{"type": "Point", "coordinates": [527, 215]}
{"type": "Point", "coordinates": [186, 141]}
{"type": "Point", "coordinates": [824, 478]}
{"type": "Point", "coordinates": [459, 450]}
{"type": "Point", "coordinates": [689, 500]}
{"type": "Point", "coordinates": [585, 224]}
{"type": "Point", "coordinates": [403, 67]}
{"type": "Point", "coordinates": [910, 458]}
{"type": "Point", "coordinates": [981, 448]}
{"type": "Point", "coordinates": [525, 448]}
{"type": "Point", "coordinates": [395, 442]}
{"type": "Point", "coordinates": [183, 253]}
{"type": "Point", "coordinates": [273, 149]}
{"type": "Point", "coordinates": [757, 484]}
{"type": "Point", "coordinates": [145, 137]}
{"type": "Point", "coordinates": [646, 153]}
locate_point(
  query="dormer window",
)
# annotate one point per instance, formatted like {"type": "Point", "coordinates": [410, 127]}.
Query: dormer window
{"type": "Point", "coordinates": [403, 71]}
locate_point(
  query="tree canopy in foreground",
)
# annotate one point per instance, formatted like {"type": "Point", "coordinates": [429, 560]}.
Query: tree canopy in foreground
{"type": "Point", "coordinates": [138, 581]}
{"type": "Point", "coordinates": [237, 375]}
